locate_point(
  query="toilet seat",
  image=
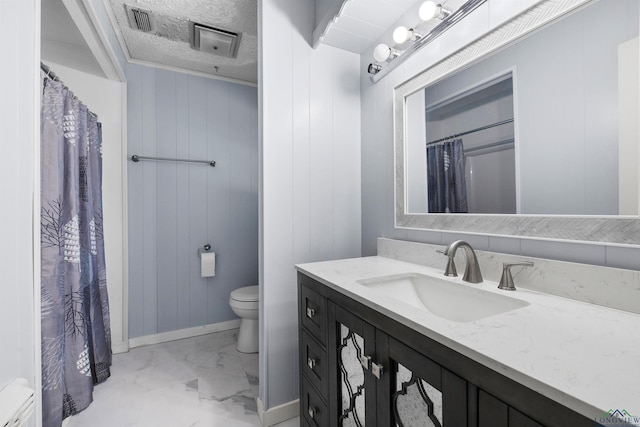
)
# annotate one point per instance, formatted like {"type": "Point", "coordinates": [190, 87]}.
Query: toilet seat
{"type": "Point", "coordinates": [246, 294]}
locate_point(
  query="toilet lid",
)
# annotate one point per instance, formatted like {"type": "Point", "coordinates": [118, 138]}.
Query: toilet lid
{"type": "Point", "coordinates": [248, 293]}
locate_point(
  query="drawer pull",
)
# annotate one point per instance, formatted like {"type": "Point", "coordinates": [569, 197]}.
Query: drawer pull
{"type": "Point", "coordinates": [311, 363]}
{"type": "Point", "coordinates": [311, 312]}
{"type": "Point", "coordinates": [377, 370]}
{"type": "Point", "coordinates": [365, 361]}
{"type": "Point", "coordinates": [312, 412]}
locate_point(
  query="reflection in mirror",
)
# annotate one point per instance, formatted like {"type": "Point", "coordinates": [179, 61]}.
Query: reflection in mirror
{"type": "Point", "coordinates": [470, 151]}
{"type": "Point", "coordinates": [571, 147]}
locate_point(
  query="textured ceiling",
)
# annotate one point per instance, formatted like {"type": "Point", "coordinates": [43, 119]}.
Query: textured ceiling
{"type": "Point", "coordinates": [170, 44]}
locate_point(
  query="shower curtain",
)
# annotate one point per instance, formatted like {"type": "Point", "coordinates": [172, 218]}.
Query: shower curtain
{"type": "Point", "coordinates": [76, 337]}
{"type": "Point", "coordinates": [446, 184]}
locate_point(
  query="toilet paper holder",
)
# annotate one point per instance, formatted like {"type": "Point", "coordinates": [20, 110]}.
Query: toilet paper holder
{"type": "Point", "coordinates": [205, 248]}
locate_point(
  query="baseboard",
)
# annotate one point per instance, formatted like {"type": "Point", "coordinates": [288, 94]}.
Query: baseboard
{"type": "Point", "coordinates": [119, 347]}
{"type": "Point", "coordinates": [183, 333]}
{"type": "Point", "coordinates": [277, 414]}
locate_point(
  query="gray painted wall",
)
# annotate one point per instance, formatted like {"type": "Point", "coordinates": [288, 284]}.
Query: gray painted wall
{"type": "Point", "coordinates": [377, 157]}
{"type": "Point", "coordinates": [310, 188]}
{"type": "Point", "coordinates": [176, 208]}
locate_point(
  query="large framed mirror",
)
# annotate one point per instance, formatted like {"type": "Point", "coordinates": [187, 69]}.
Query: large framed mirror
{"type": "Point", "coordinates": [530, 131]}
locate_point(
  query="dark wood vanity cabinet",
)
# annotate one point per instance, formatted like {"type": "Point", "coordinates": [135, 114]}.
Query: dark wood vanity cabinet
{"type": "Point", "coordinates": [361, 368]}
{"type": "Point", "coordinates": [492, 412]}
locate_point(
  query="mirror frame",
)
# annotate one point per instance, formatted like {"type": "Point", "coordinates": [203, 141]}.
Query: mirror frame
{"type": "Point", "coordinates": [624, 230]}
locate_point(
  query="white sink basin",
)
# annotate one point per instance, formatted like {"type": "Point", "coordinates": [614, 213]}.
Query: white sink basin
{"type": "Point", "coordinates": [446, 299]}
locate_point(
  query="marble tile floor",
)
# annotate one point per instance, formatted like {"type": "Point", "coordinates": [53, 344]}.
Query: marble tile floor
{"type": "Point", "coordinates": [202, 381]}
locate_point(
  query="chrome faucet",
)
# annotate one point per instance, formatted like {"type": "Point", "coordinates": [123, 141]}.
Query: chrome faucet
{"type": "Point", "coordinates": [471, 270]}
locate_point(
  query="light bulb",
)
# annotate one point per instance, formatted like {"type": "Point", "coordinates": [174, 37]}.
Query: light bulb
{"type": "Point", "coordinates": [429, 10]}
{"type": "Point", "coordinates": [382, 52]}
{"type": "Point", "coordinates": [402, 34]}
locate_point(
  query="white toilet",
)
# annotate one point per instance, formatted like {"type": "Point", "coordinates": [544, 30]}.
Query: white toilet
{"type": "Point", "coordinates": [244, 303]}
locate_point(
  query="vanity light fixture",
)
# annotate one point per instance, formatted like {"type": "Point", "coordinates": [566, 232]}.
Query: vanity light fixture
{"type": "Point", "coordinates": [383, 53]}
{"type": "Point", "coordinates": [403, 34]}
{"type": "Point", "coordinates": [374, 68]}
{"type": "Point", "coordinates": [387, 58]}
{"type": "Point", "coordinates": [430, 10]}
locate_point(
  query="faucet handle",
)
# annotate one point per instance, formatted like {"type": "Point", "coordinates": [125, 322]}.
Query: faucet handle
{"type": "Point", "coordinates": [506, 281]}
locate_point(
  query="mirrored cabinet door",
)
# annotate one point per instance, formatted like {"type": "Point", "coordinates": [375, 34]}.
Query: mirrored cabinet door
{"type": "Point", "coordinates": [416, 403]}
{"type": "Point", "coordinates": [424, 393]}
{"type": "Point", "coordinates": [350, 353]}
{"type": "Point", "coordinates": [354, 345]}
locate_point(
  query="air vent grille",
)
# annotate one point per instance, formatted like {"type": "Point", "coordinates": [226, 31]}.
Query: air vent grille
{"type": "Point", "coordinates": [215, 41]}
{"type": "Point", "coordinates": [139, 19]}
{"type": "Point", "coordinates": [142, 20]}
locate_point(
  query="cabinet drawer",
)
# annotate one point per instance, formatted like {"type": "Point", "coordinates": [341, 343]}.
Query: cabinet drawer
{"type": "Point", "coordinates": [313, 313]}
{"type": "Point", "coordinates": [314, 364]}
{"type": "Point", "coordinates": [312, 407]}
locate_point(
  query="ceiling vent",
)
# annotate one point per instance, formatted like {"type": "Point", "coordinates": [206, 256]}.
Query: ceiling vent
{"type": "Point", "coordinates": [139, 19]}
{"type": "Point", "coordinates": [214, 40]}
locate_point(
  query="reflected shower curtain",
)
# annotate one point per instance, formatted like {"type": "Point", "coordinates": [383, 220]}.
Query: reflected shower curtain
{"type": "Point", "coordinates": [446, 184]}
{"type": "Point", "coordinates": [76, 337]}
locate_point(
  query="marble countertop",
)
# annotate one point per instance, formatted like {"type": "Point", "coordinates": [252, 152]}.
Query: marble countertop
{"type": "Point", "coordinates": [584, 356]}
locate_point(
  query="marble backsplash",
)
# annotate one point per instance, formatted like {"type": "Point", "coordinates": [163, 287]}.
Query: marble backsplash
{"type": "Point", "coordinates": [610, 287]}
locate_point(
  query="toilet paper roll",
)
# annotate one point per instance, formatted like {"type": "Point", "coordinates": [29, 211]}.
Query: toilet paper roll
{"type": "Point", "coordinates": [208, 264]}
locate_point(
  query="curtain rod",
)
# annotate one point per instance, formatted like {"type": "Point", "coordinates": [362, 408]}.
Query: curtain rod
{"type": "Point", "coordinates": [470, 131]}
{"type": "Point", "coordinates": [495, 145]}
{"type": "Point", "coordinates": [50, 74]}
